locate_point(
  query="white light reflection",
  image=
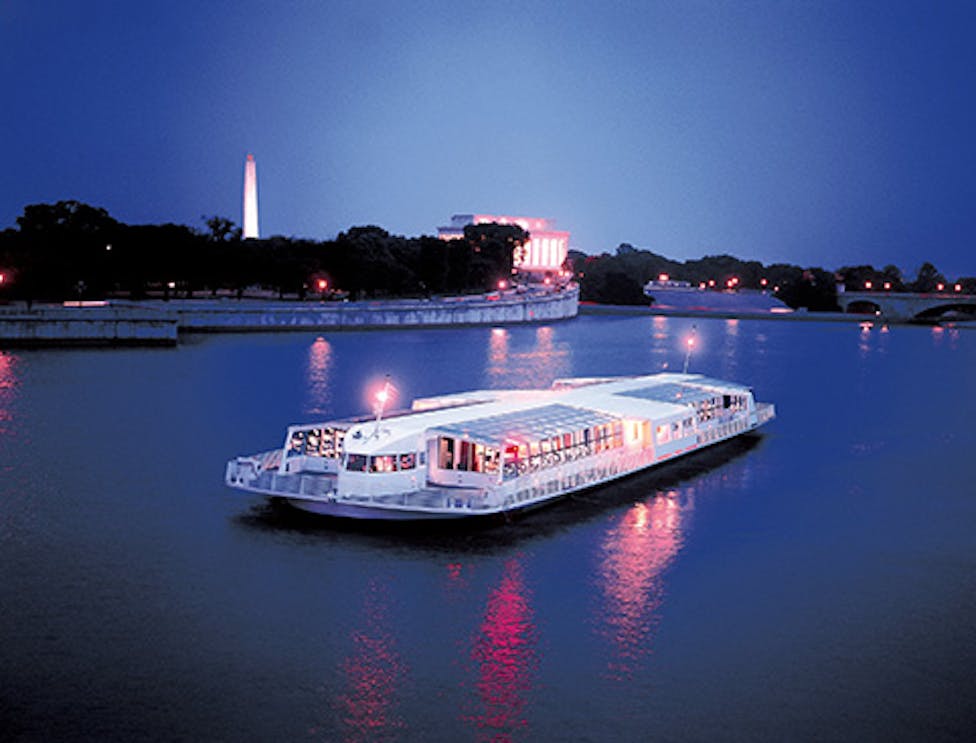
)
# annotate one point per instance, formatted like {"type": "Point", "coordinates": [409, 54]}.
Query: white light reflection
{"type": "Point", "coordinates": [730, 356]}
{"type": "Point", "coordinates": [539, 365]}
{"type": "Point", "coordinates": [635, 551]}
{"type": "Point", "coordinates": [660, 343]}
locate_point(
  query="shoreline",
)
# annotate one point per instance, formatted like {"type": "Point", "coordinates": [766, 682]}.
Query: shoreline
{"type": "Point", "coordinates": [162, 322]}
{"type": "Point", "coordinates": [793, 316]}
{"type": "Point", "coordinates": [156, 323]}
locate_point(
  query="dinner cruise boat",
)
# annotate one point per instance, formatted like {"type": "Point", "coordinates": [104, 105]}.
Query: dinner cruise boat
{"type": "Point", "coordinates": [474, 454]}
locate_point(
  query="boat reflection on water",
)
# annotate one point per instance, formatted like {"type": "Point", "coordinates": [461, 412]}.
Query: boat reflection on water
{"type": "Point", "coordinates": [634, 554]}
{"type": "Point", "coordinates": [373, 675]}
{"type": "Point", "coordinates": [505, 656]}
{"type": "Point", "coordinates": [508, 368]}
{"type": "Point", "coordinates": [318, 371]}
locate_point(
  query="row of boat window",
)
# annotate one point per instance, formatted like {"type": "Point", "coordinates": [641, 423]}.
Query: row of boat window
{"type": "Point", "coordinates": [675, 430]}
{"type": "Point", "coordinates": [519, 458]}
{"type": "Point", "coordinates": [316, 442]}
{"type": "Point", "coordinates": [713, 407]}
{"type": "Point", "coordinates": [467, 456]}
{"type": "Point", "coordinates": [564, 448]}
{"type": "Point", "coordinates": [384, 462]}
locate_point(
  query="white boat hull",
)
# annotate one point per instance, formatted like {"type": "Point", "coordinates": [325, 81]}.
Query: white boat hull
{"type": "Point", "coordinates": [455, 507]}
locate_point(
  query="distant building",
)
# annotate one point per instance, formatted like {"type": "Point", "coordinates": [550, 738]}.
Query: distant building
{"type": "Point", "coordinates": [250, 198]}
{"type": "Point", "coordinates": [545, 251]}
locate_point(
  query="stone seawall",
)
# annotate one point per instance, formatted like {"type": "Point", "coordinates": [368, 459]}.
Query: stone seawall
{"type": "Point", "coordinates": [494, 309]}
{"type": "Point", "coordinates": [87, 324]}
{"type": "Point", "coordinates": [159, 323]}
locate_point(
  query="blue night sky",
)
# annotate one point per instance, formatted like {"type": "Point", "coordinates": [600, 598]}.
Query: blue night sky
{"type": "Point", "coordinates": [821, 133]}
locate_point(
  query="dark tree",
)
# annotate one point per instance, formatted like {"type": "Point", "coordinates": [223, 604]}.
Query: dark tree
{"type": "Point", "coordinates": [928, 279]}
{"type": "Point", "coordinates": [491, 249]}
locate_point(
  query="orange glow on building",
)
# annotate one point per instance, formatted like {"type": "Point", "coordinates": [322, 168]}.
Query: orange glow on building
{"type": "Point", "coordinates": [546, 249]}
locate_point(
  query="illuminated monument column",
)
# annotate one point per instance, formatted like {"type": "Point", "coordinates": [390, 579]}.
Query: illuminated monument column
{"type": "Point", "coordinates": [250, 198]}
{"type": "Point", "coordinates": [545, 252]}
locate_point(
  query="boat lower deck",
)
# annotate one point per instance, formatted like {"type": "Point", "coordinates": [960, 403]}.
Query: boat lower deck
{"type": "Point", "coordinates": [306, 489]}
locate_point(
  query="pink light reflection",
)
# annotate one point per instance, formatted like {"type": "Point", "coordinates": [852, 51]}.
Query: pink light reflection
{"type": "Point", "coordinates": [373, 673]}
{"type": "Point", "coordinates": [506, 658]}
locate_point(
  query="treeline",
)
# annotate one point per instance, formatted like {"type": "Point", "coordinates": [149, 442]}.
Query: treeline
{"type": "Point", "coordinates": [620, 278]}
{"type": "Point", "coordinates": [71, 250]}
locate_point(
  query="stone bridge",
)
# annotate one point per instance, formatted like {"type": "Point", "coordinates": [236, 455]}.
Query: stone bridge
{"type": "Point", "coordinates": [908, 307]}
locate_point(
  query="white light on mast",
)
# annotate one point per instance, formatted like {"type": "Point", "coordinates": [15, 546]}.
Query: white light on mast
{"type": "Point", "coordinates": [690, 343]}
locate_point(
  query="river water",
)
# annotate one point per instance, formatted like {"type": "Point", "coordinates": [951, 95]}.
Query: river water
{"type": "Point", "coordinates": [817, 582]}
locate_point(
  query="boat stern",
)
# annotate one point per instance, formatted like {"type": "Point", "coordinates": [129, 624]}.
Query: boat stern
{"type": "Point", "coordinates": [765, 412]}
{"type": "Point", "coordinates": [242, 472]}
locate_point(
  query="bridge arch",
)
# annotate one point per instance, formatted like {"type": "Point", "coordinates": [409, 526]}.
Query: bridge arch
{"type": "Point", "coordinates": [863, 307]}
{"type": "Point", "coordinates": [907, 306]}
{"type": "Point", "coordinates": [967, 311]}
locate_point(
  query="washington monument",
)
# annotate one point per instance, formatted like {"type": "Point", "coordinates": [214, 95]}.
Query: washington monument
{"type": "Point", "coordinates": [250, 198]}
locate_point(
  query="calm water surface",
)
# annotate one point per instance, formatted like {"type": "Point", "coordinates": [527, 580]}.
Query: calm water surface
{"type": "Point", "coordinates": [818, 582]}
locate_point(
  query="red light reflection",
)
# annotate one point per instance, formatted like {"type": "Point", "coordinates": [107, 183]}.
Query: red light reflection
{"type": "Point", "coordinates": [505, 656]}
{"type": "Point", "coordinates": [635, 552]}
{"type": "Point", "coordinates": [8, 389]}
{"type": "Point", "coordinates": [372, 673]}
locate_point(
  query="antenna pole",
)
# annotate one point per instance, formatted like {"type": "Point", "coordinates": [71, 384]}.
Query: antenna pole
{"type": "Point", "coordinates": [381, 398]}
